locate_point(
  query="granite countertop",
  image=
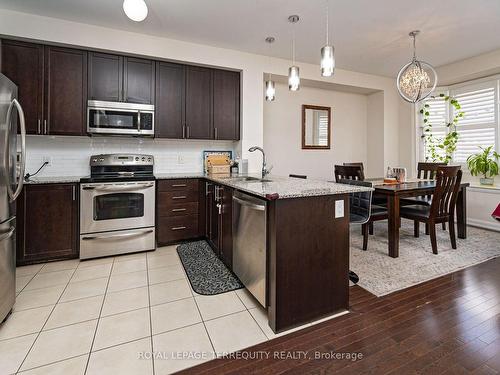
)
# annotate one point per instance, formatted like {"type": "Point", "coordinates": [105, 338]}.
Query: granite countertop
{"type": "Point", "coordinates": [53, 180]}
{"type": "Point", "coordinates": [275, 187]}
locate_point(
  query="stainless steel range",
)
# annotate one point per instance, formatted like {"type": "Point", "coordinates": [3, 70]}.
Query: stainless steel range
{"type": "Point", "coordinates": [117, 205]}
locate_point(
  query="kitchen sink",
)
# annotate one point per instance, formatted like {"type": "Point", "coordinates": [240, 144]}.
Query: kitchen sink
{"type": "Point", "coordinates": [253, 179]}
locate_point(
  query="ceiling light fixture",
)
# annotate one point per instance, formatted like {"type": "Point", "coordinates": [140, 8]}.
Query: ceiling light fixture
{"type": "Point", "coordinates": [327, 52]}
{"type": "Point", "coordinates": [270, 85]}
{"type": "Point", "coordinates": [417, 79]}
{"type": "Point", "coordinates": [293, 71]}
{"type": "Point", "coordinates": [136, 10]}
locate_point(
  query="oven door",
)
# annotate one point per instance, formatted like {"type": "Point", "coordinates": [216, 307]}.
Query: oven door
{"type": "Point", "coordinates": [117, 206]}
{"type": "Point", "coordinates": [120, 118]}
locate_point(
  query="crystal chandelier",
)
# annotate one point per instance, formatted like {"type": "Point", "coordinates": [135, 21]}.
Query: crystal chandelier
{"type": "Point", "coordinates": [417, 79]}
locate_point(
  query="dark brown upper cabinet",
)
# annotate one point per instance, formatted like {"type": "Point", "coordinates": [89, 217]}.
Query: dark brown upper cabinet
{"type": "Point", "coordinates": [170, 100]}
{"type": "Point", "coordinates": [51, 85]}
{"type": "Point", "coordinates": [105, 77]}
{"type": "Point", "coordinates": [47, 223]}
{"type": "Point", "coordinates": [121, 79]}
{"type": "Point", "coordinates": [199, 102]}
{"type": "Point", "coordinates": [66, 91]}
{"type": "Point", "coordinates": [23, 64]}
{"type": "Point", "coordinates": [138, 80]}
{"type": "Point", "coordinates": [226, 108]}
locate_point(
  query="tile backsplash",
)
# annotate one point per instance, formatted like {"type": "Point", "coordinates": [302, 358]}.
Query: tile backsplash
{"type": "Point", "coordinates": [69, 156]}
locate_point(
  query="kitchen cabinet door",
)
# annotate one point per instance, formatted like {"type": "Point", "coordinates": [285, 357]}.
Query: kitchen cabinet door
{"type": "Point", "coordinates": [105, 77]}
{"type": "Point", "coordinates": [212, 215]}
{"type": "Point", "coordinates": [138, 80]}
{"type": "Point", "coordinates": [226, 108]}
{"type": "Point", "coordinates": [170, 100]}
{"type": "Point", "coordinates": [47, 223]}
{"type": "Point", "coordinates": [22, 63]}
{"type": "Point", "coordinates": [66, 91]}
{"type": "Point", "coordinates": [199, 102]}
{"type": "Point", "coordinates": [226, 226]}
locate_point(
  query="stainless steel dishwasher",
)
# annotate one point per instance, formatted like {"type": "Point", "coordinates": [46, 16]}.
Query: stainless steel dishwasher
{"type": "Point", "coordinates": [249, 243]}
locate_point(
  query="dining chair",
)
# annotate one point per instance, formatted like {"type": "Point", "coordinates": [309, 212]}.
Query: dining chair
{"type": "Point", "coordinates": [298, 176]}
{"type": "Point", "coordinates": [348, 172]}
{"type": "Point", "coordinates": [357, 164]}
{"type": "Point", "coordinates": [362, 210]}
{"type": "Point", "coordinates": [442, 208]}
{"type": "Point", "coordinates": [425, 171]}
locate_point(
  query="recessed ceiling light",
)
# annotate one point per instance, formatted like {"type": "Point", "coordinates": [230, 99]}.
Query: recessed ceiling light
{"type": "Point", "coordinates": [136, 10]}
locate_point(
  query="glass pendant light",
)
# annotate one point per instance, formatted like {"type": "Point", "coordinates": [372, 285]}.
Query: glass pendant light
{"type": "Point", "coordinates": [327, 52]}
{"type": "Point", "coordinates": [270, 85]}
{"type": "Point", "coordinates": [293, 71]}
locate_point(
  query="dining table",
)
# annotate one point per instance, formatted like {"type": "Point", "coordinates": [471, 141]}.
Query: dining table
{"type": "Point", "coordinates": [415, 188]}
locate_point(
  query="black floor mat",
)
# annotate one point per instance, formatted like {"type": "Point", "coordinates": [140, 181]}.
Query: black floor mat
{"type": "Point", "coordinates": [207, 274]}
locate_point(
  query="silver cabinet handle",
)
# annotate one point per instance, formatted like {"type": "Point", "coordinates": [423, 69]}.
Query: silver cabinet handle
{"type": "Point", "coordinates": [219, 206]}
{"type": "Point", "coordinates": [178, 210]}
{"type": "Point", "coordinates": [39, 127]}
{"type": "Point", "coordinates": [13, 194]}
{"type": "Point", "coordinates": [8, 234]}
{"type": "Point", "coordinates": [138, 121]}
{"type": "Point", "coordinates": [179, 185]}
{"type": "Point", "coordinates": [179, 197]}
{"type": "Point", "coordinates": [178, 228]}
{"type": "Point", "coordinates": [105, 237]}
{"type": "Point", "coordinates": [216, 133]}
{"type": "Point", "coordinates": [45, 126]}
{"type": "Point", "coordinates": [187, 129]}
{"type": "Point", "coordinates": [74, 193]}
{"type": "Point", "coordinates": [249, 204]}
{"type": "Point", "coordinates": [184, 131]}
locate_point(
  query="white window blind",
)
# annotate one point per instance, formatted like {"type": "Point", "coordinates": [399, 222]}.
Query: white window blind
{"type": "Point", "coordinates": [479, 126]}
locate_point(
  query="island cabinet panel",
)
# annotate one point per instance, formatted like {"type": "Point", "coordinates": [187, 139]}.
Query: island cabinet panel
{"type": "Point", "coordinates": [308, 260]}
{"type": "Point", "coordinates": [170, 101]}
{"type": "Point", "coordinates": [22, 63]}
{"type": "Point", "coordinates": [66, 91]}
{"type": "Point", "coordinates": [138, 80]}
{"type": "Point", "coordinates": [226, 227]}
{"type": "Point", "coordinates": [105, 80]}
{"type": "Point", "coordinates": [226, 105]}
{"type": "Point", "coordinates": [199, 103]}
{"type": "Point", "coordinates": [47, 223]}
{"type": "Point", "coordinates": [177, 210]}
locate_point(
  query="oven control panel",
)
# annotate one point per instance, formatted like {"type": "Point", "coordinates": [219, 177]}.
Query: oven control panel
{"type": "Point", "coordinates": [121, 159]}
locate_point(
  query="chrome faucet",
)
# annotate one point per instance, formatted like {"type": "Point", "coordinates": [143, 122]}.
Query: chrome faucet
{"type": "Point", "coordinates": [265, 171]}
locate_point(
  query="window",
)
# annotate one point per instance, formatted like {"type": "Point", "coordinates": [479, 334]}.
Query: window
{"type": "Point", "coordinates": [478, 128]}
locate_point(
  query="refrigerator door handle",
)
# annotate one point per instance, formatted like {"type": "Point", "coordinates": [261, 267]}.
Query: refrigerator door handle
{"type": "Point", "coordinates": [14, 194]}
{"type": "Point", "coordinates": [8, 234]}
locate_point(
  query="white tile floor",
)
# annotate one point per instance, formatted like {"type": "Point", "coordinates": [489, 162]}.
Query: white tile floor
{"type": "Point", "coordinates": [107, 316]}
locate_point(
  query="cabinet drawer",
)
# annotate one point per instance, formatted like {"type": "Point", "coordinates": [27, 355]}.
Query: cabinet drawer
{"type": "Point", "coordinates": [178, 185]}
{"type": "Point", "coordinates": [177, 228]}
{"type": "Point", "coordinates": [170, 197]}
{"type": "Point", "coordinates": [169, 209]}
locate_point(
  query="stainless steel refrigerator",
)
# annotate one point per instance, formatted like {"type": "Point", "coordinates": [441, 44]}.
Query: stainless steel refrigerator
{"type": "Point", "coordinates": [11, 184]}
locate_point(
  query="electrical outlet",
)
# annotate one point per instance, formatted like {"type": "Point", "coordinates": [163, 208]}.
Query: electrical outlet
{"type": "Point", "coordinates": [339, 209]}
{"type": "Point", "coordinates": [180, 159]}
{"type": "Point", "coordinates": [47, 159]}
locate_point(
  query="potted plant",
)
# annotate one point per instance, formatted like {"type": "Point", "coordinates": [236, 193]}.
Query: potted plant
{"type": "Point", "coordinates": [484, 164]}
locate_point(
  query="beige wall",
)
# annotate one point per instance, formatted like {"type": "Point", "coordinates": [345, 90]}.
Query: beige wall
{"type": "Point", "coordinates": [283, 131]}
{"type": "Point", "coordinates": [252, 66]}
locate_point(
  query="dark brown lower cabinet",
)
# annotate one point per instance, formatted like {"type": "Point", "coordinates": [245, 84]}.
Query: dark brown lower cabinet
{"type": "Point", "coordinates": [178, 213]}
{"type": "Point", "coordinates": [47, 224]}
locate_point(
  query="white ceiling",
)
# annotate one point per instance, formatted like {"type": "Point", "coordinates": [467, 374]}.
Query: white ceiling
{"type": "Point", "coordinates": [369, 35]}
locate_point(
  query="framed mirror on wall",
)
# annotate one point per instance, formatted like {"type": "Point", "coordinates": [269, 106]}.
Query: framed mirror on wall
{"type": "Point", "coordinates": [316, 127]}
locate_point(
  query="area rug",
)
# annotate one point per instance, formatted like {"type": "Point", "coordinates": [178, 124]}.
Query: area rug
{"type": "Point", "coordinates": [207, 274]}
{"type": "Point", "coordinates": [381, 274]}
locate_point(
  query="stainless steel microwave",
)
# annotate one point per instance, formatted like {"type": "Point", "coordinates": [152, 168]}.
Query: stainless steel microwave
{"type": "Point", "coordinates": [116, 118]}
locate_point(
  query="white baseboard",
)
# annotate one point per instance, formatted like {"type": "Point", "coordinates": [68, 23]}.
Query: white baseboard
{"type": "Point", "coordinates": [491, 225]}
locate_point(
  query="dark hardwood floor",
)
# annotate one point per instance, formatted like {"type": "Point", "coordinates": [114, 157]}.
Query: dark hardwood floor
{"type": "Point", "coordinates": [449, 325]}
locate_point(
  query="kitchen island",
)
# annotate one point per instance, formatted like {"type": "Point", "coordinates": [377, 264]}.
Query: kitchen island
{"type": "Point", "coordinates": [307, 242]}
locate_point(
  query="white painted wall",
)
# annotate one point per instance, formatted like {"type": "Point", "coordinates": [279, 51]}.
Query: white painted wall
{"type": "Point", "coordinates": [283, 131]}
{"type": "Point", "coordinates": [252, 66]}
{"type": "Point", "coordinates": [375, 164]}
